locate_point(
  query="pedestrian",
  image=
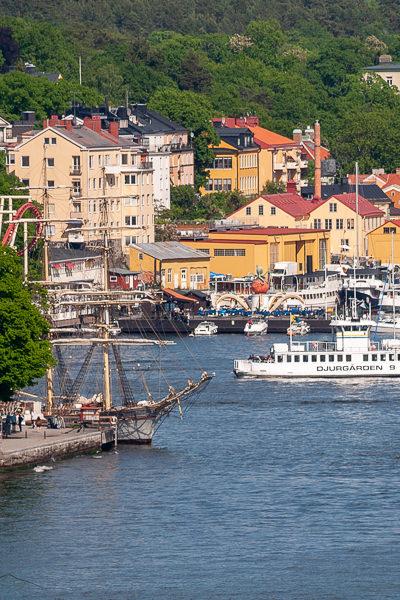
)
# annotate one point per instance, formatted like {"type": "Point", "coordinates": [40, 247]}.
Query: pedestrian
{"type": "Point", "coordinates": [38, 422]}
{"type": "Point", "coordinates": [20, 421]}
{"type": "Point", "coordinates": [33, 419]}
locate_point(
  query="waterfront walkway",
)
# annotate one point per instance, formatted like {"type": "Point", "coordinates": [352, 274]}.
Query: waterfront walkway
{"type": "Point", "coordinates": [43, 444]}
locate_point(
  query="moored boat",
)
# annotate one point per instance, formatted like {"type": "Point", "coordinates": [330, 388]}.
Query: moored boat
{"type": "Point", "coordinates": [256, 327]}
{"type": "Point", "coordinates": [352, 353]}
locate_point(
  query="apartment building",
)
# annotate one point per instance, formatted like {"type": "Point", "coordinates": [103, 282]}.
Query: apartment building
{"type": "Point", "coordinates": [280, 157]}
{"type": "Point", "coordinates": [236, 162]}
{"type": "Point", "coordinates": [72, 169]}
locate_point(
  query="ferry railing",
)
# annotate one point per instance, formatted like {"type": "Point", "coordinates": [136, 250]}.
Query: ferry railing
{"type": "Point", "coordinates": [317, 346]}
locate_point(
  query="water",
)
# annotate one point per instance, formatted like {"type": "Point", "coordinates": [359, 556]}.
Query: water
{"type": "Point", "coordinates": [266, 490]}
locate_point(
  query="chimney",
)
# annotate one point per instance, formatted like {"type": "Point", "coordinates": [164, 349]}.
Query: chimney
{"type": "Point", "coordinates": [93, 123]}
{"type": "Point", "coordinates": [297, 136]}
{"type": "Point", "coordinates": [240, 121]}
{"type": "Point", "coordinates": [317, 152]}
{"type": "Point", "coordinates": [68, 124]}
{"type": "Point", "coordinates": [53, 121]}
{"type": "Point", "coordinates": [291, 187]}
{"type": "Point", "coordinates": [113, 129]}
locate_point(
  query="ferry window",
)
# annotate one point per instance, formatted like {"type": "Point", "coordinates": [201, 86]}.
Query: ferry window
{"type": "Point", "coordinates": [391, 356]}
{"type": "Point", "coordinates": [297, 358]}
{"type": "Point", "coordinates": [313, 358]}
{"type": "Point", "coordinates": [289, 358]}
{"type": "Point", "coordinates": [383, 356]}
{"type": "Point", "coordinates": [348, 357]}
{"type": "Point", "coordinates": [365, 357]}
{"type": "Point", "coordinates": [322, 358]}
{"type": "Point", "coordinates": [398, 357]}
{"type": "Point", "coordinates": [340, 357]}
{"type": "Point", "coordinates": [331, 358]}
{"type": "Point", "coordinates": [374, 357]}
{"type": "Point", "coordinates": [280, 358]}
{"type": "Point", "coordinates": [305, 358]}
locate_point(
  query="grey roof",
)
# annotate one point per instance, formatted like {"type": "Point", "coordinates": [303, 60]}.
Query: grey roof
{"type": "Point", "coordinates": [370, 191]}
{"type": "Point", "coordinates": [87, 137]}
{"type": "Point", "coordinates": [119, 271]}
{"type": "Point", "coordinates": [384, 67]}
{"type": "Point", "coordinates": [170, 250]}
{"type": "Point", "coordinates": [62, 253]}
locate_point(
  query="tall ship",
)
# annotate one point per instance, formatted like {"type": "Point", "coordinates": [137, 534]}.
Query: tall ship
{"type": "Point", "coordinates": [351, 353]}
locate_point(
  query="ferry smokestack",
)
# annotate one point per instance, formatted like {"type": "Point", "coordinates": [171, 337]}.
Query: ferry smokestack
{"type": "Point", "coordinates": [317, 152]}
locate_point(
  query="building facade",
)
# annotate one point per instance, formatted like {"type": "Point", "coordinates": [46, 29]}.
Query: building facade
{"type": "Point", "coordinates": [238, 253]}
{"type": "Point", "coordinates": [236, 163]}
{"type": "Point", "coordinates": [172, 265]}
{"type": "Point", "coordinates": [384, 242]}
{"type": "Point", "coordinates": [388, 70]}
{"type": "Point", "coordinates": [84, 175]}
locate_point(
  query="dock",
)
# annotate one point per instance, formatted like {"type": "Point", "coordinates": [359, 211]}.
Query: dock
{"type": "Point", "coordinates": [42, 445]}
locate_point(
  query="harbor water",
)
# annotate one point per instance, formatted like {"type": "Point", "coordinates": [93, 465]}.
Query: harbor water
{"type": "Point", "coordinates": [281, 490]}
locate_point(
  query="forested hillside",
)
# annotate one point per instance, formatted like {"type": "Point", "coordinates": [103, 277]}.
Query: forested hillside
{"type": "Point", "coordinates": [289, 61]}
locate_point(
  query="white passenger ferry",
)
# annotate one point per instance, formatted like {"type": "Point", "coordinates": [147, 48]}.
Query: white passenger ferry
{"type": "Point", "coordinates": [350, 354]}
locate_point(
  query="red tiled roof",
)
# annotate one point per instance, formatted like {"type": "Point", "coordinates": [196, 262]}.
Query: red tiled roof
{"type": "Point", "coordinates": [293, 204]}
{"type": "Point", "coordinates": [391, 179]}
{"type": "Point", "coordinates": [309, 147]}
{"type": "Point", "coordinates": [365, 208]}
{"type": "Point", "coordinates": [269, 139]}
{"type": "Point", "coordinates": [269, 231]}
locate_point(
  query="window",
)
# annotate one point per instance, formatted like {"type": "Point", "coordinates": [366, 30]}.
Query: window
{"type": "Point", "coordinates": [218, 185]}
{"type": "Point", "coordinates": [260, 209]}
{"type": "Point", "coordinates": [383, 356]}
{"type": "Point", "coordinates": [130, 240]}
{"type": "Point", "coordinates": [200, 278]}
{"type": "Point", "coordinates": [317, 223]}
{"type": "Point", "coordinates": [24, 161]}
{"type": "Point", "coordinates": [305, 358]}
{"type": "Point", "coordinates": [229, 252]}
{"type": "Point", "coordinates": [50, 162]}
{"type": "Point", "coordinates": [209, 185]}
{"type": "Point", "coordinates": [322, 358]}
{"type": "Point", "coordinates": [248, 210]}
{"type": "Point", "coordinates": [348, 357]}
{"type": "Point", "coordinates": [273, 210]}
{"type": "Point", "coordinates": [91, 157]}
{"type": "Point", "coordinates": [314, 358]}
{"type": "Point", "coordinates": [11, 159]}
{"type": "Point", "coordinates": [124, 159]}
{"type": "Point", "coordinates": [113, 278]}
{"type": "Point", "coordinates": [365, 357]}
{"type": "Point", "coordinates": [227, 185]}
{"type": "Point", "coordinates": [25, 182]}
{"type": "Point", "coordinates": [322, 253]}
{"type": "Point", "coordinates": [389, 230]}
{"type": "Point", "coordinates": [344, 242]}
{"type": "Point", "coordinates": [339, 223]}
{"type": "Point", "coordinates": [331, 358]}
{"type": "Point", "coordinates": [288, 358]}
{"type": "Point", "coordinates": [328, 223]}
{"type": "Point", "coordinates": [280, 358]}
{"type": "Point", "coordinates": [222, 163]}
{"type": "Point", "coordinates": [130, 221]}
{"type": "Point", "coordinates": [76, 188]}
{"type": "Point", "coordinates": [130, 179]}
{"type": "Point", "coordinates": [340, 357]}
{"type": "Point", "coordinates": [332, 207]}
{"type": "Point", "coordinates": [391, 356]}
{"type": "Point", "coordinates": [389, 80]}
{"type": "Point", "coordinates": [169, 275]}
{"type": "Point", "coordinates": [54, 141]}
{"type": "Point", "coordinates": [50, 183]}
{"type": "Point", "coordinates": [296, 358]}
{"type": "Point", "coordinates": [47, 141]}
{"type": "Point", "coordinates": [350, 223]}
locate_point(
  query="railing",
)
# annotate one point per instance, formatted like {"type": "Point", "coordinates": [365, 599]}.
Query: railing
{"type": "Point", "coordinates": [75, 170]}
{"type": "Point", "coordinates": [145, 165]}
{"type": "Point", "coordinates": [317, 346]}
{"type": "Point", "coordinates": [180, 147]}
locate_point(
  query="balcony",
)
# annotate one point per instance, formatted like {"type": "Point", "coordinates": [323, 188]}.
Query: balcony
{"type": "Point", "coordinates": [76, 193]}
{"type": "Point", "coordinates": [180, 147]}
{"type": "Point", "coordinates": [76, 215]}
{"type": "Point", "coordinates": [75, 170]}
{"type": "Point", "coordinates": [145, 165]}
{"type": "Point", "coordinates": [292, 165]}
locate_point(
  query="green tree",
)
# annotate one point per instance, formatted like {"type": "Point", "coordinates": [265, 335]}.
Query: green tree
{"type": "Point", "coordinates": [273, 187]}
{"type": "Point", "coordinates": [25, 353]}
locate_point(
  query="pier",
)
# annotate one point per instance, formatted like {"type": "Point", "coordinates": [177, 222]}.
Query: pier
{"type": "Point", "coordinates": [35, 446]}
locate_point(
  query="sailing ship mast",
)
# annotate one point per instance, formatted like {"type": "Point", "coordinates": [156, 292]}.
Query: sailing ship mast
{"type": "Point", "coordinates": [106, 310]}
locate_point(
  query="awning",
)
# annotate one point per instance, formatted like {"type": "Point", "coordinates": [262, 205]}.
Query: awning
{"type": "Point", "coordinates": [177, 296]}
{"type": "Point", "coordinates": [69, 265]}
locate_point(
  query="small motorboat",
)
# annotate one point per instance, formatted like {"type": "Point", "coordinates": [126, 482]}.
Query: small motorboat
{"type": "Point", "coordinates": [298, 328]}
{"type": "Point", "coordinates": [256, 327]}
{"type": "Point", "coordinates": [206, 328]}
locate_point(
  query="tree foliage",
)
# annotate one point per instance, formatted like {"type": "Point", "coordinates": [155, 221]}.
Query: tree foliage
{"type": "Point", "coordinates": [187, 205]}
{"type": "Point", "coordinates": [25, 352]}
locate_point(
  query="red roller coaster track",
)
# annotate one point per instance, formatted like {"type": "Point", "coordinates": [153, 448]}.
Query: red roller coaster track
{"type": "Point", "coordinates": [11, 232]}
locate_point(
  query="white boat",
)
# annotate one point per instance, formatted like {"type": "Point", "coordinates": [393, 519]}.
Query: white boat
{"type": "Point", "coordinates": [350, 354]}
{"type": "Point", "coordinates": [206, 328]}
{"type": "Point", "coordinates": [298, 328]}
{"type": "Point", "coordinates": [387, 326]}
{"type": "Point", "coordinates": [256, 327]}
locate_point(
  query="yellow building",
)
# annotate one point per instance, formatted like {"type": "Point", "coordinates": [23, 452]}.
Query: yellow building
{"type": "Point", "coordinates": [384, 242]}
{"type": "Point", "coordinates": [274, 210]}
{"type": "Point", "coordinates": [239, 253]}
{"type": "Point", "coordinates": [235, 165]}
{"type": "Point", "coordinates": [73, 168]}
{"type": "Point", "coordinates": [338, 214]}
{"type": "Point", "coordinates": [172, 265]}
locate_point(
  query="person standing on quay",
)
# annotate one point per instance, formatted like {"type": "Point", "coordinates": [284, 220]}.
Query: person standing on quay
{"type": "Point", "coordinates": [20, 421]}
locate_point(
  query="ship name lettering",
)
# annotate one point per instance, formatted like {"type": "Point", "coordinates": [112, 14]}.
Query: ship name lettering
{"type": "Point", "coordinates": [346, 368]}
